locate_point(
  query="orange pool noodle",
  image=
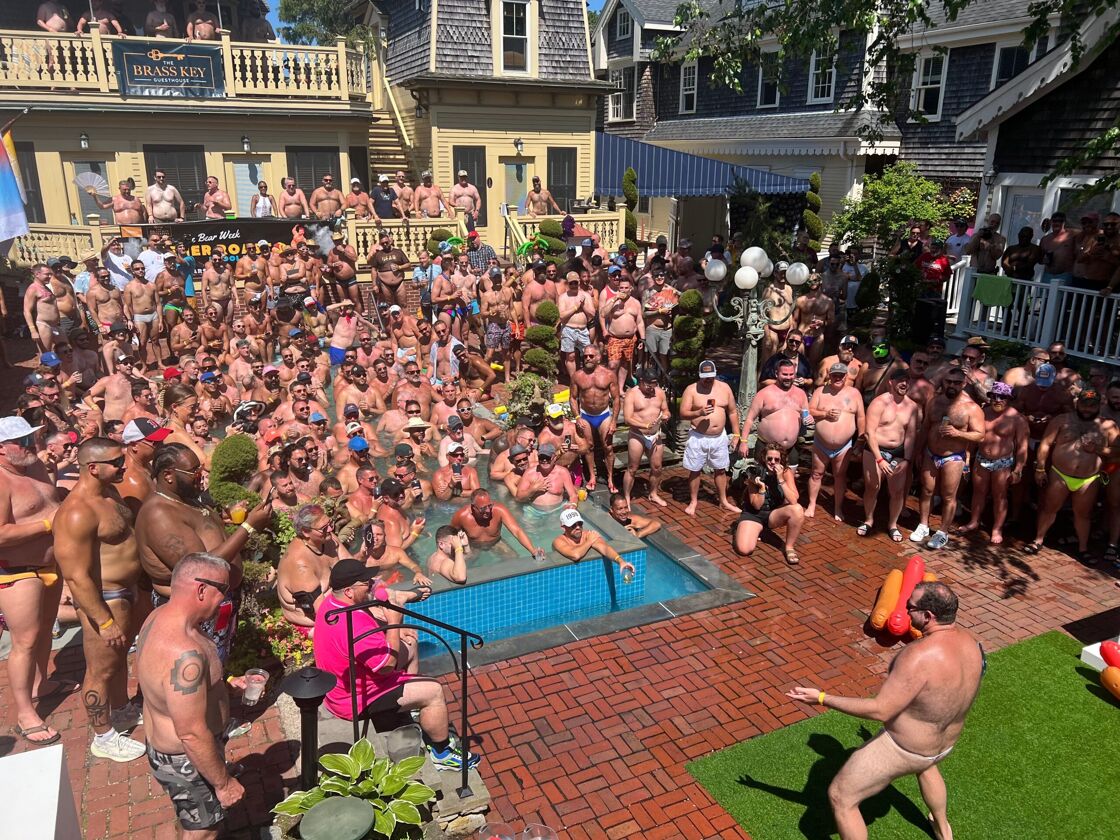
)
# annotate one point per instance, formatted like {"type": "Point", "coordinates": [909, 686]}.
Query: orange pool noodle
{"type": "Point", "coordinates": [929, 577]}
{"type": "Point", "coordinates": [888, 598]}
{"type": "Point", "coordinates": [899, 620]}
{"type": "Point", "coordinates": [1110, 653]}
{"type": "Point", "coordinates": [1110, 679]}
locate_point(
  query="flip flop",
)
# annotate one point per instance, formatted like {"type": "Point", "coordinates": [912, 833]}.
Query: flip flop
{"type": "Point", "coordinates": [863, 530]}
{"type": "Point", "coordinates": [62, 688]}
{"type": "Point", "coordinates": [895, 534]}
{"type": "Point", "coordinates": [24, 733]}
{"type": "Point", "coordinates": [1032, 548]}
{"type": "Point", "coordinates": [791, 557]}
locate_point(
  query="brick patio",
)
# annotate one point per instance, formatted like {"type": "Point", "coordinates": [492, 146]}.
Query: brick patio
{"type": "Point", "coordinates": [592, 738]}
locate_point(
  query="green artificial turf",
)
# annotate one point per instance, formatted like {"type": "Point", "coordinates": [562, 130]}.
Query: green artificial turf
{"type": "Point", "coordinates": [1038, 759]}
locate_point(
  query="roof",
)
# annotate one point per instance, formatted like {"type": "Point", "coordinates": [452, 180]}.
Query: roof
{"type": "Point", "coordinates": [974, 14]}
{"type": "Point", "coordinates": [664, 172]}
{"type": "Point", "coordinates": [458, 79]}
{"type": "Point", "coordinates": [824, 124]}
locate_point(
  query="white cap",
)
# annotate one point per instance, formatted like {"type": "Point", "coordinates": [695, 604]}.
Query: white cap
{"type": "Point", "coordinates": [15, 427]}
{"type": "Point", "coordinates": [355, 181]}
{"type": "Point", "coordinates": [394, 308]}
{"type": "Point", "coordinates": [570, 517]}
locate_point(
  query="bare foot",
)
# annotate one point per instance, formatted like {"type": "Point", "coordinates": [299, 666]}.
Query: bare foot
{"type": "Point", "coordinates": [811, 511]}
{"type": "Point", "coordinates": [590, 484]}
{"type": "Point", "coordinates": [691, 511]}
{"type": "Point", "coordinates": [628, 508]}
{"type": "Point", "coordinates": [970, 527]}
{"type": "Point", "coordinates": [730, 508]}
{"type": "Point", "coordinates": [937, 833]}
{"type": "Point", "coordinates": [997, 538]}
{"type": "Point", "coordinates": [657, 500]}
{"type": "Point", "coordinates": [838, 517]}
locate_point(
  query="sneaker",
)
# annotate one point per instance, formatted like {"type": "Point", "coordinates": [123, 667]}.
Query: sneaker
{"type": "Point", "coordinates": [920, 533]}
{"type": "Point", "coordinates": [117, 747]}
{"type": "Point", "coordinates": [451, 759]}
{"type": "Point", "coordinates": [938, 540]}
{"type": "Point", "coordinates": [126, 718]}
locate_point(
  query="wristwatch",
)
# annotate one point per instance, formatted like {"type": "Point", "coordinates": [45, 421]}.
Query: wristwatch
{"type": "Point", "coordinates": [247, 528]}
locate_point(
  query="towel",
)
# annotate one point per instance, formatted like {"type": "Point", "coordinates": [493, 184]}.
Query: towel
{"type": "Point", "coordinates": [991, 290]}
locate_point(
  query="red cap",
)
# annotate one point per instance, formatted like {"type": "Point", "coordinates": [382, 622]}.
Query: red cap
{"type": "Point", "coordinates": [472, 235]}
{"type": "Point", "coordinates": [172, 373]}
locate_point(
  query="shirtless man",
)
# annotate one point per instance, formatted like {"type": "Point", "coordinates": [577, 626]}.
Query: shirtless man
{"type": "Point", "coordinates": [539, 200]}
{"type": "Point", "coordinates": [1000, 459]}
{"type": "Point", "coordinates": [143, 402]}
{"type": "Point", "coordinates": [922, 704]}
{"type": "Point", "coordinates": [780, 410]}
{"type": "Point", "coordinates": [127, 208]}
{"type": "Point", "coordinates": [575, 543]}
{"type": "Point", "coordinates": [921, 389]}
{"type": "Point", "coordinates": [162, 201]}
{"type": "Point", "coordinates": [1058, 251]}
{"type": "Point", "coordinates": [398, 531]}
{"type": "Point", "coordinates": [293, 203]}
{"type": "Point", "coordinates": [404, 195]}
{"type": "Point", "coordinates": [326, 200]}
{"type": "Point", "coordinates": [116, 391]}
{"type": "Point", "coordinates": [201, 24]}
{"type": "Point", "coordinates": [577, 313]}
{"type": "Point", "coordinates": [597, 400]}
{"type": "Point", "coordinates": [953, 425]}
{"type": "Point", "coordinates": [427, 199]}
{"type": "Point", "coordinates": [389, 265]}
{"type": "Point", "coordinates": [215, 201]}
{"type": "Point", "coordinates": [1070, 457]}
{"type": "Point", "coordinates": [645, 409]}
{"type": "Point", "coordinates": [777, 303]}
{"type": "Point", "coordinates": [544, 485]}
{"type": "Point", "coordinates": [358, 200]}
{"type": "Point", "coordinates": [102, 14]}
{"type": "Point", "coordinates": [456, 478]}
{"type": "Point", "coordinates": [105, 302]}
{"type": "Point", "coordinates": [814, 314]}
{"type": "Point", "coordinates": [53, 17]}
{"type": "Point", "coordinates": [160, 23]}
{"type": "Point", "coordinates": [217, 287]}
{"type": "Point", "coordinates": [341, 268]}
{"type": "Point", "coordinates": [708, 406]}
{"type": "Point", "coordinates": [95, 547]}
{"type": "Point", "coordinates": [483, 519]}
{"type": "Point", "coordinates": [141, 306]}
{"type": "Point", "coordinates": [379, 552]}
{"type": "Point", "coordinates": [30, 586]}
{"type": "Point", "coordinates": [186, 705]}
{"type": "Point", "coordinates": [1023, 375]}
{"type": "Point", "coordinates": [449, 558]}
{"type": "Point", "coordinates": [623, 327]}
{"type": "Point", "coordinates": [837, 409]}
{"type": "Point", "coordinates": [40, 309]}
{"type": "Point", "coordinates": [304, 569]}
{"type": "Point", "coordinates": [892, 421]}
{"type": "Point", "coordinates": [846, 355]}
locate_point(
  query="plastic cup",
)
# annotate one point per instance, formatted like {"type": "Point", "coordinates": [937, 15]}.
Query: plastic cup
{"type": "Point", "coordinates": [627, 576]}
{"type": "Point", "coordinates": [255, 681]}
{"type": "Point", "coordinates": [237, 513]}
{"type": "Point", "coordinates": [536, 831]}
{"type": "Point", "coordinates": [497, 831]}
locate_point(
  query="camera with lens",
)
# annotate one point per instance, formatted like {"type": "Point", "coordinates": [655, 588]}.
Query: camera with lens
{"type": "Point", "coordinates": [753, 472]}
{"type": "Point", "coordinates": [985, 233]}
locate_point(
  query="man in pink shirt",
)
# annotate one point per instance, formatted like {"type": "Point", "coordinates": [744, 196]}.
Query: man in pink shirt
{"type": "Point", "coordinates": [387, 665]}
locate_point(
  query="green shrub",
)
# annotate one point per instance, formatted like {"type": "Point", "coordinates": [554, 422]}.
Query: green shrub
{"type": "Point", "coordinates": [234, 459]}
{"type": "Point", "coordinates": [540, 360]}
{"type": "Point", "coordinates": [630, 193]}
{"type": "Point", "coordinates": [809, 216]}
{"type": "Point", "coordinates": [543, 337]}
{"type": "Point", "coordinates": [687, 326]}
{"type": "Point", "coordinates": [689, 347]}
{"type": "Point", "coordinates": [227, 494]}
{"type": "Point", "coordinates": [441, 234]}
{"type": "Point", "coordinates": [815, 182]}
{"type": "Point", "coordinates": [548, 314]}
{"type": "Point", "coordinates": [870, 294]}
{"type": "Point", "coordinates": [814, 201]}
{"type": "Point", "coordinates": [551, 228]}
{"type": "Point", "coordinates": [556, 246]}
{"type": "Point", "coordinates": [691, 303]}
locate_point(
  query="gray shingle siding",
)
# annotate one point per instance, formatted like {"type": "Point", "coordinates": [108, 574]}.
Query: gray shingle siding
{"type": "Point", "coordinates": [463, 38]}
{"type": "Point", "coordinates": [967, 82]}
{"type": "Point", "coordinates": [617, 47]}
{"type": "Point", "coordinates": [409, 37]}
{"type": "Point", "coordinates": [563, 47]}
{"type": "Point", "coordinates": [947, 162]}
{"type": "Point", "coordinates": [644, 112]}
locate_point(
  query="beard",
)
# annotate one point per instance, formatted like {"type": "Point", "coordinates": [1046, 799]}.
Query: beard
{"type": "Point", "coordinates": [785, 384]}
{"type": "Point", "coordinates": [23, 459]}
{"type": "Point", "coordinates": [1088, 415]}
{"type": "Point", "coordinates": [952, 391]}
{"type": "Point", "coordinates": [186, 489]}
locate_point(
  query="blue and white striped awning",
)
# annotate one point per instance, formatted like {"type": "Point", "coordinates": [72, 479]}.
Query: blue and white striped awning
{"type": "Point", "coordinates": [664, 172]}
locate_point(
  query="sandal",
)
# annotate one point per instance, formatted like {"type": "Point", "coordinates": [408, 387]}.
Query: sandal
{"type": "Point", "coordinates": [1112, 555]}
{"type": "Point", "coordinates": [1032, 548]}
{"type": "Point", "coordinates": [894, 534]}
{"type": "Point", "coordinates": [791, 557]}
{"type": "Point", "coordinates": [864, 529]}
{"type": "Point", "coordinates": [1087, 557]}
{"type": "Point", "coordinates": [25, 733]}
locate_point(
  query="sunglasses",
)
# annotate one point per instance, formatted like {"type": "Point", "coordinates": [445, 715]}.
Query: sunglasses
{"type": "Point", "coordinates": [773, 460]}
{"type": "Point", "coordinates": [117, 462]}
{"type": "Point", "coordinates": [27, 441]}
{"type": "Point", "coordinates": [196, 473]}
{"type": "Point", "coordinates": [221, 587]}
{"type": "Point", "coordinates": [484, 510]}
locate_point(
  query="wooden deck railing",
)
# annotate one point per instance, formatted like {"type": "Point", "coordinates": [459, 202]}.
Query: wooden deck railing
{"type": "Point", "coordinates": [609, 225]}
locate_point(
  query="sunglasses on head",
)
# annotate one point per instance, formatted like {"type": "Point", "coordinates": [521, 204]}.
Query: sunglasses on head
{"type": "Point", "coordinates": [221, 587]}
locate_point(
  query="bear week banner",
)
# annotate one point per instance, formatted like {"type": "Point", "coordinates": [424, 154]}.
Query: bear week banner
{"type": "Point", "coordinates": [234, 234]}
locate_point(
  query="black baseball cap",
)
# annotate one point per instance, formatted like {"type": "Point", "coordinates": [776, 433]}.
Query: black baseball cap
{"type": "Point", "coordinates": [403, 450]}
{"type": "Point", "coordinates": [349, 571]}
{"type": "Point", "coordinates": [303, 377]}
{"type": "Point", "coordinates": [391, 487]}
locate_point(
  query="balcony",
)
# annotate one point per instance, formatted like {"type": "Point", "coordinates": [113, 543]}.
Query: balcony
{"type": "Point", "coordinates": [38, 69]}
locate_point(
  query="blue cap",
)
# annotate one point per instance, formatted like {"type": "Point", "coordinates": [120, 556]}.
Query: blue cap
{"type": "Point", "coordinates": [208, 376]}
{"type": "Point", "coordinates": [51, 359]}
{"type": "Point", "coordinates": [623, 248]}
{"type": "Point", "coordinates": [357, 444]}
{"type": "Point", "coordinates": [1044, 377]}
{"type": "Point", "coordinates": [294, 331]}
{"type": "Point", "coordinates": [587, 243]}
{"type": "Point", "coordinates": [316, 417]}
{"type": "Point", "coordinates": [614, 269]}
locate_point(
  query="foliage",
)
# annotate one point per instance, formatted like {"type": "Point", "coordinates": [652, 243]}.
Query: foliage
{"type": "Point", "coordinates": [540, 360]}
{"type": "Point", "coordinates": [548, 313]}
{"type": "Point", "coordinates": [630, 193]}
{"type": "Point", "coordinates": [961, 204]}
{"type": "Point", "coordinates": [551, 228]}
{"type": "Point", "coordinates": [888, 203]}
{"type": "Point", "coordinates": [439, 235]}
{"type": "Point", "coordinates": [555, 245]}
{"type": "Point", "coordinates": [321, 22]}
{"type": "Point", "coordinates": [687, 326]}
{"type": "Point", "coordinates": [234, 459]}
{"type": "Point", "coordinates": [754, 219]}
{"type": "Point", "coordinates": [809, 216]}
{"type": "Point", "coordinates": [528, 392]}
{"type": "Point", "coordinates": [228, 493]}
{"type": "Point", "coordinates": [904, 280]}
{"type": "Point", "coordinates": [388, 788]}
{"type": "Point", "coordinates": [592, 18]}
{"type": "Point", "coordinates": [543, 337]}
{"type": "Point", "coordinates": [690, 303]}
{"type": "Point", "coordinates": [687, 345]}
{"type": "Point", "coordinates": [868, 298]}
{"type": "Point", "coordinates": [263, 633]}
{"type": "Point", "coordinates": [1012, 353]}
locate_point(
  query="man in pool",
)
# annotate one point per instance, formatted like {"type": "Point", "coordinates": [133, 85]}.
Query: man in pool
{"type": "Point", "coordinates": [575, 542]}
{"type": "Point", "coordinates": [923, 703]}
{"type": "Point", "coordinates": [449, 560]}
{"type": "Point", "coordinates": [639, 526]}
{"type": "Point", "coordinates": [483, 519]}
{"type": "Point", "coordinates": [545, 485]}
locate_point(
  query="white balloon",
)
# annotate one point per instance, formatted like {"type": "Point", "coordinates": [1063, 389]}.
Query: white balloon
{"type": "Point", "coordinates": [797, 274]}
{"type": "Point", "coordinates": [767, 269]}
{"type": "Point", "coordinates": [716, 270]}
{"type": "Point", "coordinates": [754, 257]}
{"type": "Point", "coordinates": [746, 278]}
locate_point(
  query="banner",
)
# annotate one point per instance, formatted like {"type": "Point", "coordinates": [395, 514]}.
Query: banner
{"type": "Point", "coordinates": [233, 234]}
{"type": "Point", "coordinates": [13, 216]}
{"type": "Point", "coordinates": [162, 68]}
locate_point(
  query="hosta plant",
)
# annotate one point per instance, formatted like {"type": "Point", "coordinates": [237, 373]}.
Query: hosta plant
{"type": "Point", "coordinates": [388, 788]}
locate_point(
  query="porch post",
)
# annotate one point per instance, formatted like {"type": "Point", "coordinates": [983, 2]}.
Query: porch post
{"type": "Point", "coordinates": [964, 304]}
{"type": "Point", "coordinates": [1050, 314]}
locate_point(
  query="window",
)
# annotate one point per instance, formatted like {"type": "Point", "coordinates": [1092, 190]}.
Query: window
{"type": "Point", "coordinates": [930, 79]}
{"type": "Point", "coordinates": [515, 36]}
{"type": "Point", "coordinates": [621, 105]}
{"type": "Point", "coordinates": [29, 174]}
{"type": "Point", "coordinates": [472, 159]}
{"type": "Point", "coordinates": [86, 205]}
{"type": "Point", "coordinates": [562, 176]}
{"type": "Point", "coordinates": [822, 74]}
{"type": "Point", "coordinates": [308, 165]}
{"type": "Point", "coordinates": [768, 81]}
{"type": "Point", "coordinates": [688, 88]}
{"type": "Point", "coordinates": [359, 168]}
{"type": "Point", "coordinates": [186, 170]}
{"type": "Point", "coordinates": [1073, 203]}
{"type": "Point", "coordinates": [623, 24]}
{"type": "Point", "coordinates": [1010, 62]}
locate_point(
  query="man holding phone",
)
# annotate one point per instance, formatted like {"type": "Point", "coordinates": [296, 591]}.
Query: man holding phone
{"type": "Point", "coordinates": [708, 405]}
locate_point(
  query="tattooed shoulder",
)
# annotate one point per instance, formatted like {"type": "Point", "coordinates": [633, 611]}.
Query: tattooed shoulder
{"type": "Point", "coordinates": [189, 672]}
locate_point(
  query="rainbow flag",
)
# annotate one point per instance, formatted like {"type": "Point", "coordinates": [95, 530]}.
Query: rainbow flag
{"type": "Point", "coordinates": [13, 216]}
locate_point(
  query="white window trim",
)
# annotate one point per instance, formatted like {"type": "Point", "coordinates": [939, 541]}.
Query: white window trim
{"type": "Point", "coordinates": [694, 89]}
{"type": "Point", "coordinates": [761, 73]}
{"type": "Point", "coordinates": [813, 68]}
{"type": "Point", "coordinates": [621, 71]}
{"type": "Point", "coordinates": [622, 14]}
{"type": "Point", "coordinates": [920, 59]}
{"type": "Point", "coordinates": [1032, 58]}
{"type": "Point", "coordinates": [530, 11]}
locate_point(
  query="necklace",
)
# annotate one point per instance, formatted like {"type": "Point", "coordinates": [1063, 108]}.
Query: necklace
{"type": "Point", "coordinates": [205, 511]}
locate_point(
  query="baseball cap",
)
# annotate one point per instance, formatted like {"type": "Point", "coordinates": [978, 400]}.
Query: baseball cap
{"type": "Point", "coordinates": [51, 359]}
{"type": "Point", "coordinates": [685, 243]}
{"type": "Point", "coordinates": [1089, 395]}
{"type": "Point", "coordinates": [899, 373]}
{"type": "Point", "coordinates": [144, 428]}
{"type": "Point", "coordinates": [352, 427]}
{"type": "Point", "coordinates": [394, 309]}
{"type": "Point", "coordinates": [263, 243]}
{"type": "Point", "coordinates": [391, 487]}
{"type": "Point", "coordinates": [172, 373]}
{"type": "Point", "coordinates": [358, 444]}
{"type": "Point", "coordinates": [1045, 375]}
{"type": "Point", "coordinates": [587, 243]}
{"type": "Point", "coordinates": [294, 332]}
{"type": "Point", "coordinates": [456, 447]}
{"type": "Point", "coordinates": [309, 301]}
{"type": "Point", "coordinates": [207, 376]}
{"type": "Point", "coordinates": [403, 450]}
{"type": "Point", "coordinates": [34, 379]}
{"type": "Point", "coordinates": [623, 248]}
{"type": "Point", "coordinates": [838, 367]}
{"type": "Point", "coordinates": [495, 274]}
{"type": "Point", "coordinates": [554, 410]}
{"type": "Point", "coordinates": [849, 340]}
{"type": "Point", "coordinates": [349, 571]}
{"type": "Point", "coordinates": [453, 422]}
{"type": "Point", "coordinates": [349, 408]}
{"type": "Point", "coordinates": [517, 449]}
{"type": "Point", "coordinates": [572, 247]}
{"type": "Point", "coordinates": [546, 449]}
{"type": "Point", "coordinates": [707, 369]}
{"type": "Point", "coordinates": [661, 240]}
{"type": "Point", "coordinates": [117, 327]}
{"type": "Point", "coordinates": [15, 427]}
{"type": "Point", "coordinates": [1001, 389]}
{"type": "Point", "coordinates": [316, 417]}
{"type": "Point", "coordinates": [936, 339]}
{"type": "Point", "coordinates": [614, 269]}
{"type": "Point", "coordinates": [570, 517]}
{"type": "Point", "coordinates": [303, 377]}
{"type": "Point", "coordinates": [461, 173]}
{"type": "Point", "coordinates": [271, 369]}
{"type": "Point", "coordinates": [355, 180]}
{"type": "Point", "coordinates": [472, 235]}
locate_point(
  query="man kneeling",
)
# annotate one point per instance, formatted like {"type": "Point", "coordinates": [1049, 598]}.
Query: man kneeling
{"type": "Point", "coordinates": [387, 666]}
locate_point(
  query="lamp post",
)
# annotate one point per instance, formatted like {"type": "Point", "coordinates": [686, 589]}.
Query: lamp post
{"type": "Point", "coordinates": [307, 687]}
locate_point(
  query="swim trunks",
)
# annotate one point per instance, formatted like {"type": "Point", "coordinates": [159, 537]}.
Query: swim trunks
{"type": "Point", "coordinates": [574, 339]}
{"type": "Point", "coordinates": [621, 349]}
{"type": "Point", "coordinates": [9, 575]}
{"type": "Point", "coordinates": [337, 354]}
{"type": "Point", "coordinates": [123, 594]}
{"type": "Point", "coordinates": [595, 420]}
{"type": "Point", "coordinates": [517, 330]}
{"type": "Point", "coordinates": [145, 319]}
{"type": "Point", "coordinates": [829, 454]}
{"type": "Point", "coordinates": [498, 336]}
{"type": "Point", "coordinates": [940, 461]}
{"type": "Point", "coordinates": [657, 340]}
{"type": "Point", "coordinates": [196, 803]}
{"type": "Point", "coordinates": [706, 450]}
{"type": "Point", "coordinates": [1075, 482]}
{"type": "Point", "coordinates": [997, 464]}
{"type": "Point", "coordinates": [173, 307]}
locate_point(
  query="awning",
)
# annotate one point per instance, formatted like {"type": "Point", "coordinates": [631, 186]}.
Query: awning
{"type": "Point", "coordinates": [664, 172]}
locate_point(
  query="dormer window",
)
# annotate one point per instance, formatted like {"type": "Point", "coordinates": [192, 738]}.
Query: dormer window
{"type": "Point", "coordinates": [515, 36]}
{"type": "Point", "coordinates": [623, 24]}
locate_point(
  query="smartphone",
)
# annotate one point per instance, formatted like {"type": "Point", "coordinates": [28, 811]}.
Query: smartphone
{"type": "Point", "coordinates": [711, 403]}
{"type": "Point", "coordinates": [416, 484]}
{"type": "Point", "coordinates": [567, 441]}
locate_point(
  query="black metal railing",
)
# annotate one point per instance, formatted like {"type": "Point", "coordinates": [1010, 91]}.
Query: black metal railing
{"type": "Point", "coordinates": [458, 661]}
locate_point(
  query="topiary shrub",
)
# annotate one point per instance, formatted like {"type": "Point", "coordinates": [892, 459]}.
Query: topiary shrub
{"type": "Point", "coordinates": [549, 314]}
{"type": "Point", "coordinates": [630, 193]}
{"type": "Point", "coordinates": [543, 337]}
{"type": "Point", "coordinates": [691, 303]}
{"type": "Point", "coordinates": [540, 361]}
{"type": "Point", "coordinates": [688, 337]}
{"type": "Point", "coordinates": [551, 228]}
{"type": "Point", "coordinates": [234, 459]}
{"type": "Point", "coordinates": [809, 216]}
{"type": "Point", "coordinates": [555, 245]}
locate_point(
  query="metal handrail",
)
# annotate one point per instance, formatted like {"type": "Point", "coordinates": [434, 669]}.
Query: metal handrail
{"type": "Point", "coordinates": [459, 662]}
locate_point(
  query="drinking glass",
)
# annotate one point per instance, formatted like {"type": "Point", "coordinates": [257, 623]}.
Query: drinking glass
{"type": "Point", "coordinates": [536, 831]}
{"type": "Point", "coordinates": [497, 831]}
{"type": "Point", "coordinates": [255, 681]}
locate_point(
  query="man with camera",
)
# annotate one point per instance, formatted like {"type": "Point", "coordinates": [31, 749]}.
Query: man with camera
{"type": "Point", "coordinates": [987, 246]}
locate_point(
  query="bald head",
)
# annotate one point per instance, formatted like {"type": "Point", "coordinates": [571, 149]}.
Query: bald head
{"type": "Point", "coordinates": [98, 449]}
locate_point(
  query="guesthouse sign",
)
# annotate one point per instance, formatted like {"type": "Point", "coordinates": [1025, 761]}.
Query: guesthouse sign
{"type": "Point", "coordinates": [162, 68]}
